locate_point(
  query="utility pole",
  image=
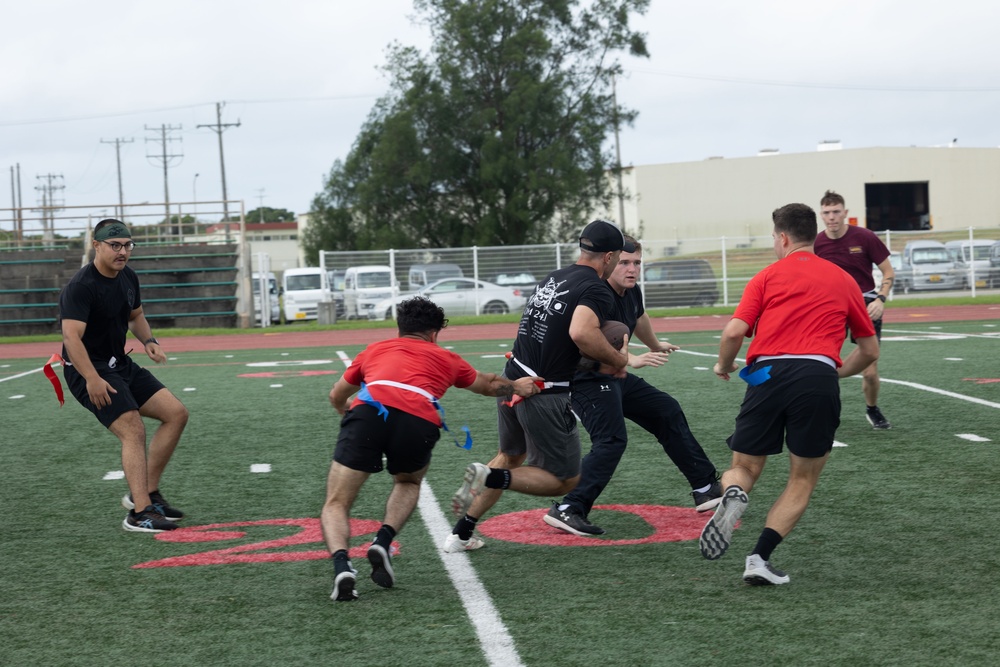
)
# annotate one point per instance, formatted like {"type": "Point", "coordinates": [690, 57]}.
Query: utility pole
{"type": "Point", "coordinates": [166, 160]}
{"type": "Point", "coordinates": [618, 158]}
{"type": "Point", "coordinates": [20, 206]}
{"type": "Point", "coordinates": [219, 128]}
{"type": "Point", "coordinates": [260, 209]}
{"type": "Point", "coordinates": [120, 214]}
{"type": "Point", "coordinates": [49, 204]}
{"type": "Point", "coordinates": [15, 206]}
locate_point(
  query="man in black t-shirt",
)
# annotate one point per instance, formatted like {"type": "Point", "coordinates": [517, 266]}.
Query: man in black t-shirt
{"type": "Point", "coordinates": [604, 401]}
{"type": "Point", "coordinates": [98, 306]}
{"type": "Point", "coordinates": [539, 441]}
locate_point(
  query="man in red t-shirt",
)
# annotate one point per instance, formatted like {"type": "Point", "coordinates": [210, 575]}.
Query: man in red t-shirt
{"type": "Point", "coordinates": [395, 415]}
{"type": "Point", "coordinates": [795, 310]}
{"type": "Point", "coordinates": [855, 249]}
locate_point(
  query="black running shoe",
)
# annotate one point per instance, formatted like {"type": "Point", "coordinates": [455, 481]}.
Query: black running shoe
{"type": "Point", "coordinates": [147, 521]}
{"type": "Point", "coordinates": [168, 512]}
{"type": "Point", "coordinates": [343, 585]}
{"type": "Point", "coordinates": [571, 520]}
{"type": "Point", "coordinates": [381, 563]}
{"type": "Point", "coordinates": [877, 419]}
{"type": "Point", "coordinates": [708, 500]}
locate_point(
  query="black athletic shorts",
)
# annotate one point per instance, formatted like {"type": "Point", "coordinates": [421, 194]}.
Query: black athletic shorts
{"type": "Point", "coordinates": [405, 440]}
{"type": "Point", "coordinates": [875, 323]}
{"type": "Point", "coordinates": [134, 384]}
{"type": "Point", "coordinates": [798, 405]}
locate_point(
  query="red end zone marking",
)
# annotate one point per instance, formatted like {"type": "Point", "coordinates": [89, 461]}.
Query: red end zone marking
{"type": "Point", "coordinates": [668, 524]}
{"type": "Point", "coordinates": [310, 533]}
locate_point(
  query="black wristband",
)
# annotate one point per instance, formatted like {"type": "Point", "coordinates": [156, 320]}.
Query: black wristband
{"type": "Point", "coordinates": [150, 340]}
{"type": "Point", "coordinates": [880, 297]}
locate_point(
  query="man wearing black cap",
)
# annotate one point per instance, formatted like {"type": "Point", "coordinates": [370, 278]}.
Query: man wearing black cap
{"type": "Point", "coordinates": [98, 307]}
{"type": "Point", "coordinates": [560, 322]}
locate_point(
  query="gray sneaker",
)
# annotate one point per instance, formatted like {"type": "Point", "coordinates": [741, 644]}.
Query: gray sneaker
{"type": "Point", "coordinates": [571, 520]}
{"type": "Point", "coordinates": [717, 533]}
{"type": "Point", "coordinates": [473, 484]}
{"type": "Point", "coordinates": [759, 572]}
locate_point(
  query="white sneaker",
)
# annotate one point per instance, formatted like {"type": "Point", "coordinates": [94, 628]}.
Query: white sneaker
{"type": "Point", "coordinates": [473, 484]}
{"type": "Point", "coordinates": [759, 572]}
{"type": "Point", "coordinates": [718, 532]}
{"type": "Point", "coordinates": [454, 544]}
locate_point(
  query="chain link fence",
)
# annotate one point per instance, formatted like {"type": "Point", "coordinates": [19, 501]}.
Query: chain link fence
{"type": "Point", "coordinates": [676, 272]}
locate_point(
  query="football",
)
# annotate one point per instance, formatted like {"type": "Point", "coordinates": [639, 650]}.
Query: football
{"type": "Point", "coordinates": [614, 332]}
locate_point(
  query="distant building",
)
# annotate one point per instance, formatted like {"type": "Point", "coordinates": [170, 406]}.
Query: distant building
{"type": "Point", "coordinates": [280, 240]}
{"type": "Point", "coordinates": [944, 188]}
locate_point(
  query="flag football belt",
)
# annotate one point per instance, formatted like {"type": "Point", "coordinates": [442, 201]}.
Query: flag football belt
{"type": "Point", "coordinates": [365, 397]}
{"type": "Point", "coordinates": [515, 399]}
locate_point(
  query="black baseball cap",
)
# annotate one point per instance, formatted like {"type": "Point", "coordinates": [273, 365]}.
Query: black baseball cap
{"type": "Point", "coordinates": [604, 236]}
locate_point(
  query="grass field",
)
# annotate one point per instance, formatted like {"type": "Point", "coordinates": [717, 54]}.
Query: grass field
{"type": "Point", "coordinates": [895, 562]}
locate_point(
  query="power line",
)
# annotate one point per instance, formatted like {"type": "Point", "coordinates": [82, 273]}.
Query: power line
{"type": "Point", "coordinates": [166, 159]}
{"type": "Point", "coordinates": [49, 205]}
{"type": "Point", "coordinates": [120, 213]}
{"type": "Point", "coordinates": [219, 127]}
{"type": "Point", "coordinates": [136, 112]}
{"type": "Point", "coordinates": [821, 86]}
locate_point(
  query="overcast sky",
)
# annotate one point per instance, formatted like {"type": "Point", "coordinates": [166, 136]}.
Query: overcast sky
{"type": "Point", "coordinates": [725, 78]}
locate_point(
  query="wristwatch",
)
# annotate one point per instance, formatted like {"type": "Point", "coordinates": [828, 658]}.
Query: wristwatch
{"type": "Point", "coordinates": [880, 297]}
{"type": "Point", "coordinates": [150, 340]}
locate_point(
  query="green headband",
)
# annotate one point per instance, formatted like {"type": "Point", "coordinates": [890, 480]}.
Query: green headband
{"type": "Point", "coordinates": [116, 230]}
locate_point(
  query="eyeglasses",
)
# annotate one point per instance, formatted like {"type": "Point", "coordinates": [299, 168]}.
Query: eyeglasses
{"type": "Point", "coordinates": [118, 247]}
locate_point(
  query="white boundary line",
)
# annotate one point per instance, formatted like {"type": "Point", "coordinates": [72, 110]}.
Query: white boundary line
{"type": "Point", "coordinates": [987, 336]}
{"type": "Point", "coordinates": [21, 375]}
{"type": "Point", "coordinates": [496, 642]}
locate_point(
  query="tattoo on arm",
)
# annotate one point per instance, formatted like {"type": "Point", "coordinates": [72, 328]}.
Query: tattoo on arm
{"type": "Point", "coordinates": [506, 389]}
{"type": "Point", "coordinates": [888, 281]}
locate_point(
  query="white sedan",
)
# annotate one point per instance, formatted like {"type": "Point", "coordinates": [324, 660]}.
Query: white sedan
{"type": "Point", "coordinates": [461, 296]}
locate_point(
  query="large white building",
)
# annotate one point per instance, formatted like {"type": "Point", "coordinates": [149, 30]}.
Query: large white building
{"type": "Point", "coordinates": [944, 188]}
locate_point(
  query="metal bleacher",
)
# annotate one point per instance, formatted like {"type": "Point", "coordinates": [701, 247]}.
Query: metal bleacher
{"type": "Point", "coordinates": [182, 285]}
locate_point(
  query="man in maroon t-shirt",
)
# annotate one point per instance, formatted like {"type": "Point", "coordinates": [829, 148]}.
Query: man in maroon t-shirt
{"type": "Point", "coordinates": [855, 249]}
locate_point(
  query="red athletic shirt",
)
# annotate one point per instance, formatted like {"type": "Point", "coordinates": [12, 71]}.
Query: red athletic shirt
{"type": "Point", "coordinates": [414, 362]}
{"type": "Point", "coordinates": [854, 252]}
{"type": "Point", "coordinates": [801, 305]}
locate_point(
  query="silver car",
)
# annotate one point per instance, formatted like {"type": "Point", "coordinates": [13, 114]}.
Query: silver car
{"type": "Point", "coordinates": [460, 296]}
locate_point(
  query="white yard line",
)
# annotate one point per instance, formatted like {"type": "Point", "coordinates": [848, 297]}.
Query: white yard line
{"type": "Point", "coordinates": [494, 638]}
{"type": "Point", "coordinates": [21, 375]}
{"type": "Point", "coordinates": [988, 336]}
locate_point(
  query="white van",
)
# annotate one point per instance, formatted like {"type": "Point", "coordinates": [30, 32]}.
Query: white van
{"type": "Point", "coordinates": [972, 261]}
{"type": "Point", "coordinates": [303, 290]}
{"type": "Point", "coordinates": [926, 265]}
{"type": "Point", "coordinates": [422, 275]}
{"type": "Point", "coordinates": [364, 286]}
{"type": "Point", "coordinates": [271, 296]}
